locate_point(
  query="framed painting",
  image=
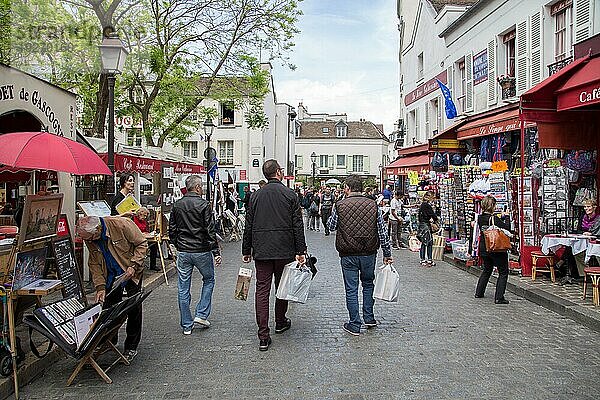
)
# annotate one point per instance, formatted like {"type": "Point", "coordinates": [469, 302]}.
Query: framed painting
{"type": "Point", "coordinates": [29, 267]}
{"type": "Point", "coordinates": [40, 218]}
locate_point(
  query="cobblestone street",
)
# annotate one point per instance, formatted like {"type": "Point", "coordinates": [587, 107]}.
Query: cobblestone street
{"type": "Point", "coordinates": [437, 342]}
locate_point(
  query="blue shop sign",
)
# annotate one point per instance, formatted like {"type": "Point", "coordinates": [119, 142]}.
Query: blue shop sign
{"type": "Point", "coordinates": [480, 67]}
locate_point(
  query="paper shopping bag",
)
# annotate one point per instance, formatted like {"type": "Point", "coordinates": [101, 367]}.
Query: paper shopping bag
{"type": "Point", "coordinates": [243, 284]}
{"type": "Point", "coordinates": [294, 283]}
{"type": "Point", "coordinates": [387, 283]}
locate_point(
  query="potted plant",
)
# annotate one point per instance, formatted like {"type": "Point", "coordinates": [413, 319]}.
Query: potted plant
{"type": "Point", "coordinates": [506, 81]}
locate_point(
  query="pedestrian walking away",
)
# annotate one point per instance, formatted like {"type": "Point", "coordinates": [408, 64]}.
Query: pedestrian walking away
{"type": "Point", "coordinates": [116, 247]}
{"type": "Point", "coordinates": [424, 233]}
{"type": "Point", "coordinates": [274, 237]}
{"type": "Point", "coordinates": [192, 232]}
{"type": "Point", "coordinates": [327, 201]}
{"type": "Point", "coordinates": [360, 233]}
{"type": "Point", "coordinates": [396, 220]}
{"type": "Point", "coordinates": [492, 259]}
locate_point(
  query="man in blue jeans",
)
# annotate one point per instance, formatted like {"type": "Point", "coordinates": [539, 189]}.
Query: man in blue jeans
{"type": "Point", "coordinates": [360, 232]}
{"type": "Point", "coordinates": [192, 231]}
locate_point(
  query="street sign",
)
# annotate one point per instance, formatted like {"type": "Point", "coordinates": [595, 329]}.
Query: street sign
{"type": "Point", "coordinates": [289, 178]}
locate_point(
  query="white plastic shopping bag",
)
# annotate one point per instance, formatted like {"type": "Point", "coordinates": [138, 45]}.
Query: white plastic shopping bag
{"type": "Point", "coordinates": [295, 282]}
{"type": "Point", "coordinates": [387, 283]}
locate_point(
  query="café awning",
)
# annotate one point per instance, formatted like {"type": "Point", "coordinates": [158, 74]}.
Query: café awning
{"type": "Point", "coordinates": [127, 163]}
{"type": "Point", "coordinates": [410, 163]}
{"type": "Point", "coordinates": [502, 122]}
{"type": "Point", "coordinates": [582, 88]}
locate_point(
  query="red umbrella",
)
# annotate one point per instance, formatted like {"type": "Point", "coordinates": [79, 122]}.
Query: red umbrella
{"type": "Point", "coordinates": [46, 151]}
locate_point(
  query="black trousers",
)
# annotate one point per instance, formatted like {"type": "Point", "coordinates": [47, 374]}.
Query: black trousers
{"type": "Point", "coordinates": [325, 214]}
{"type": "Point", "coordinates": [134, 317]}
{"type": "Point", "coordinates": [153, 256]}
{"type": "Point", "coordinates": [490, 260]}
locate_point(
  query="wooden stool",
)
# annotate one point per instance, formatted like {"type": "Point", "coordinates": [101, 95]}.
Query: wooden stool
{"type": "Point", "coordinates": [594, 273]}
{"type": "Point", "coordinates": [538, 255]}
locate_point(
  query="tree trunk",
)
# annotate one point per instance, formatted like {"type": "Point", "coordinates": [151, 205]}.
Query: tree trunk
{"type": "Point", "coordinates": [101, 107]}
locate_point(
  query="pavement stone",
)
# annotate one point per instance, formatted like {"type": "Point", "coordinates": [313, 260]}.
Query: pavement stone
{"type": "Point", "coordinates": [437, 342]}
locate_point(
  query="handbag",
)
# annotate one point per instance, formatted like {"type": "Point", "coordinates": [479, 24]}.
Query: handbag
{"type": "Point", "coordinates": [295, 282]}
{"type": "Point", "coordinates": [314, 208]}
{"type": "Point", "coordinates": [435, 227]}
{"type": "Point", "coordinates": [495, 239]}
{"type": "Point", "coordinates": [580, 161]}
{"type": "Point", "coordinates": [387, 283]}
{"type": "Point", "coordinates": [413, 243]}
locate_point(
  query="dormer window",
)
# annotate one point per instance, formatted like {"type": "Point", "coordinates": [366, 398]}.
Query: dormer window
{"type": "Point", "coordinates": [341, 129]}
{"type": "Point", "coordinates": [325, 130]}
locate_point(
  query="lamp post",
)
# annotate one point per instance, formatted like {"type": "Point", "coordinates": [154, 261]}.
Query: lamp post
{"type": "Point", "coordinates": [113, 54]}
{"type": "Point", "coordinates": [209, 153]}
{"type": "Point", "coordinates": [313, 158]}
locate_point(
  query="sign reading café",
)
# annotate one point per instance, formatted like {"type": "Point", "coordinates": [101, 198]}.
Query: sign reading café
{"type": "Point", "coordinates": [52, 106]}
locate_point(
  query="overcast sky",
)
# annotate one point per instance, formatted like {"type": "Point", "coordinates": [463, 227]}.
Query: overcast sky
{"type": "Point", "coordinates": [347, 60]}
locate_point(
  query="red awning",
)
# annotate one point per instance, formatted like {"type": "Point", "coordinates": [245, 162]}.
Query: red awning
{"type": "Point", "coordinates": [419, 148]}
{"type": "Point", "coordinates": [410, 163]}
{"type": "Point", "coordinates": [499, 123]}
{"type": "Point", "coordinates": [540, 102]}
{"type": "Point", "coordinates": [582, 88]}
{"type": "Point", "coordinates": [126, 163]}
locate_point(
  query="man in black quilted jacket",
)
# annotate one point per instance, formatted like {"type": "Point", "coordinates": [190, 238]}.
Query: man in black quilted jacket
{"type": "Point", "coordinates": [274, 237]}
{"type": "Point", "coordinates": [360, 232]}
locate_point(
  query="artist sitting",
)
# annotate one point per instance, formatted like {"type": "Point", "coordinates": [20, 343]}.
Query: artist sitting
{"type": "Point", "coordinates": [141, 220]}
{"type": "Point", "coordinates": [117, 248]}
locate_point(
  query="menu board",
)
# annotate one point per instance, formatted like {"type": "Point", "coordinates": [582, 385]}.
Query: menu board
{"type": "Point", "coordinates": [66, 268]}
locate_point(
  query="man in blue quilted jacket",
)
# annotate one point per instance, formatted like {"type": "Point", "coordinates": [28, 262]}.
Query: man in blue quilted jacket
{"type": "Point", "coordinates": [274, 237]}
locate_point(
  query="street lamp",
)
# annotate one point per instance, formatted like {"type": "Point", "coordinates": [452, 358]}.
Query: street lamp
{"type": "Point", "coordinates": [113, 54]}
{"type": "Point", "coordinates": [209, 153]}
{"type": "Point", "coordinates": [313, 158]}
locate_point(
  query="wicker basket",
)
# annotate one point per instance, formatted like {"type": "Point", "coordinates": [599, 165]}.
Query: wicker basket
{"type": "Point", "coordinates": [438, 253]}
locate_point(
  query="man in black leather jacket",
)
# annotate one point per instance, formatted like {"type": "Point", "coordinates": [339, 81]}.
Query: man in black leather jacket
{"type": "Point", "coordinates": [273, 236]}
{"type": "Point", "coordinates": [192, 231]}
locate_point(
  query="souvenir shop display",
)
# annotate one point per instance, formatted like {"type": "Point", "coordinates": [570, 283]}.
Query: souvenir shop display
{"type": "Point", "coordinates": [499, 190]}
{"type": "Point", "coordinates": [464, 176]}
{"type": "Point", "coordinates": [530, 209]}
{"type": "Point", "coordinates": [555, 189]}
{"type": "Point", "coordinates": [447, 202]}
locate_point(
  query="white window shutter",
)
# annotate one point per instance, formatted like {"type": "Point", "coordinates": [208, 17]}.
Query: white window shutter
{"type": "Point", "coordinates": [330, 162]}
{"type": "Point", "coordinates": [492, 84]}
{"type": "Point", "coordinates": [349, 162]}
{"type": "Point", "coordinates": [441, 105]}
{"type": "Point", "coordinates": [427, 117]}
{"type": "Point", "coordinates": [237, 152]}
{"type": "Point", "coordinates": [366, 167]}
{"type": "Point", "coordinates": [469, 83]}
{"type": "Point", "coordinates": [521, 55]}
{"type": "Point", "coordinates": [300, 162]}
{"type": "Point", "coordinates": [583, 20]}
{"type": "Point", "coordinates": [536, 45]}
{"type": "Point", "coordinates": [449, 75]}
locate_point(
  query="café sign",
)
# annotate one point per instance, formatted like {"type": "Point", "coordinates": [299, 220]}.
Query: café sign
{"type": "Point", "coordinates": [425, 88]}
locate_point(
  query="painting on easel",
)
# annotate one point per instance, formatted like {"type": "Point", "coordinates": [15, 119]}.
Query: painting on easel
{"type": "Point", "coordinates": [29, 267]}
{"type": "Point", "coordinates": [40, 218]}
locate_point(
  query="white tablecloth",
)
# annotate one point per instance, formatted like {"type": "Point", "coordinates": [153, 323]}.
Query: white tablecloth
{"type": "Point", "coordinates": [578, 243]}
{"type": "Point", "coordinates": [592, 250]}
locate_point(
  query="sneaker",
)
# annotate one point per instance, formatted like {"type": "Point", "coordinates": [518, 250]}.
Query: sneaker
{"type": "Point", "coordinates": [395, 248]}
{"type": "Point", "coordinates": [264, 344]}
{"type": "Point", "coordinates": [285, 327]}
{"type": "Point", "coordinates": [423, 263]}
{"type": "Point", "coordinates": [130, 355]}
{"type": "Point", "coordinates": [187, 331]}
{"type": "Point", "coordinates": [501, 301]}
{"type": "Point", "coordinates": [201, 321]}
{"type": "Point", "coordinates": [371, 324]}
{"type": "Point", "coordinates": [431, 263]}
{"type": "Point", "coordinates": [350, 330]}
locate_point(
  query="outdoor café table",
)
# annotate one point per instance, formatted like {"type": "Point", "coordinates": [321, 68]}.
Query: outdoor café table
{"type": "Point", "coordinates": [577, 243]}
{"type": "Point", "coordinates": [592, 250]}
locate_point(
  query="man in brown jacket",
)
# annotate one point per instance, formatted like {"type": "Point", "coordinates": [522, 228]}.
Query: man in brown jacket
{"type": "Point", "coordinates": [117, 247]}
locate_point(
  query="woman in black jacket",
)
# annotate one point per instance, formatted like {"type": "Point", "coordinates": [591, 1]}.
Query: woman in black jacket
{"type": "Point", "coordinates": [425, 234]}
{"type": "Point", "coordinates": [491, 259]}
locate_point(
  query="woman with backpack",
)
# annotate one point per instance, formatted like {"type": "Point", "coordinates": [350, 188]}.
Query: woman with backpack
{"type": "Point", "coordinates": [427, 217]}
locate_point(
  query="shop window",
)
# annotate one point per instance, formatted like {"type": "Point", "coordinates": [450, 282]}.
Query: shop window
{"type": "Point", "coordinates": [227, 113]}
{"type": "Point", "coordinates": [357, 164]}
{"type": "Point", "coordinates": [420, 67]}
{"type": "Point", "coordinates": [190, 149]}
{"type": "Point", "coordinates": [225, 152]}
{"type": "Point", "coordinates": [298, 161]}
{"type": "Point", "coordinates": [134, 137]}
{"type": "Point", "coordinates": [460, 79]}
{"type": "Point", "coordinates": [340, 160]}
{"type": "Point", "coordinates": [509, 51]}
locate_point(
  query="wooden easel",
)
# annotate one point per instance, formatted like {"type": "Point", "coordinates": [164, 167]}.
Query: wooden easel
{"type": "Point", "coordinates": [158, 239]}
{"type": "Point", "coordinates": [11, 297]}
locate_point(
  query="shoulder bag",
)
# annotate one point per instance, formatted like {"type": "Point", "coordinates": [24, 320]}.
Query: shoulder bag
{"type": "Point", "coordinates": [495, 239]}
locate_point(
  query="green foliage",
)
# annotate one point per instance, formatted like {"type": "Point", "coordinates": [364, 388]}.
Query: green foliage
{"type": "Point", "coordinates": [5, 22]}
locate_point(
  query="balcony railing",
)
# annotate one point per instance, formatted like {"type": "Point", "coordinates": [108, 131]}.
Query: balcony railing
{"type": "Point", "coordinates": [557, 66]}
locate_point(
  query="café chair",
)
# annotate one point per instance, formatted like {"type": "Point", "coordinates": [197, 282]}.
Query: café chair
{"type": "Point", "coordinates": [594, 273]}
{"type": "Point", "coordinates": [547, 267]}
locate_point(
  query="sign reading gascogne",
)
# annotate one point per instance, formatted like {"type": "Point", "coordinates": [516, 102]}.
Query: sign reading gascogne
{"type": "Point", "coordinates": [52, 106]}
